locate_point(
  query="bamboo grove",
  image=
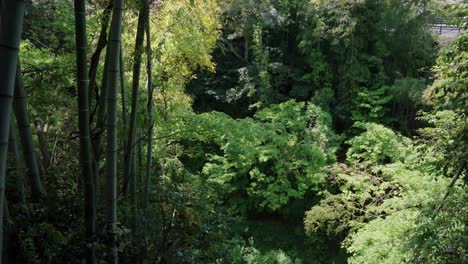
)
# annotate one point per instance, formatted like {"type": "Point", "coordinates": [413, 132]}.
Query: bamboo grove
{"type": "Point", "coordinates": [96, 136]}
{"type": "Point", "coordinates": [233, 131]}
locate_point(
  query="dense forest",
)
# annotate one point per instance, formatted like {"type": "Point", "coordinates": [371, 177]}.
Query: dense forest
{"type": "Point", "coordinates": [233, 131]}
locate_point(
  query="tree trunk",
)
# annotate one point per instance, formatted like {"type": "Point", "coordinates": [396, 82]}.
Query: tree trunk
{"type": "Point", "coordinates": [111, 125]}
{"type": "Point", "coordinates": [13, 147]}
{"type": "Point", "coordinates": [139, 154]}
{"type": "Point", "coordinates": [100, 124]}
{"type": "Point", "coordinates": [149, 155]}
{"type": "Point", "coordinates": [102, 103]}
{"type": "Point", "coordinates": [84, 129]}
{"type": "Point", "coordinates": [124, 103]}
{"type": "Point", "coordinates": [149, 151]}
{"type": "Point", "coordinates": [11, 23]}
{"type": "Point", "coordinates": [43, 148]}
{"type": "Point", "coordinates": [101, 44]}
{"type": "Point", "coordinates": [103, 94]}
{"type": "Point", "coordinates": [135, 83]}
{"type": "Point", "coordinates": [25, 135]}
{"type": "Point", "coordinates": [133, 191]}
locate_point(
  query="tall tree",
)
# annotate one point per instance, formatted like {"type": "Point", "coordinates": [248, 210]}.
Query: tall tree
{"type": "Point", "coordinates": [25, 135]}
{"type": "Point", "coordinates": [11, 24]}
{"type": "Point", "coordinates": [149, 154]}
{"type": "Point", "coordinates": [111, 126]}
{"type": "Point", "coordinates": [100, 124]}
{"type": "Point", "coordinates": [84, 130]}
{"type": "Point", "coordinates": [135, 85]}
{"type": "Point", "coordinates": [102, 104]}
{"type": "Point", "coordinates": [149, 151]}
{"type": "Point", "coordinates": [133, 189]}
{"type": "Point", "coordinates": [124, 102]}
{"type": "Point", "coordinates": [100, 96]}
{"type": "Point", "coordinates": [101, 44]}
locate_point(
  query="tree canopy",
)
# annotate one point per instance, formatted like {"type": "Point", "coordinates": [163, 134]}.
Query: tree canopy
{"type": "Point", "coordinates": [233, 131]}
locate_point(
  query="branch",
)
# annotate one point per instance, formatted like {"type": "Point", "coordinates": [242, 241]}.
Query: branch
{"type": "Point", "coordinates": [454, 180]}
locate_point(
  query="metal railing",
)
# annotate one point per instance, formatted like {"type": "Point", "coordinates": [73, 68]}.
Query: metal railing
{"type": "Point", "coordinates": [450, 24]}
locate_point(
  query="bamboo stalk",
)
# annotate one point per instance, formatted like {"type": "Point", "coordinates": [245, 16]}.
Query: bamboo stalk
{"type": "Point", "coordinates": [84, 129]}
{"type": "Point", "coordinates": [11, 24]}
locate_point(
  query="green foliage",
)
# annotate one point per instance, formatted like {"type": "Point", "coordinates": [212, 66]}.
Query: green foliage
{"type": "Point", "coordinates": [183, 37]}
{"type": "Point", "coordinates": [370, 106]}
{"type": "Point", "coordinates": [49, 82]}
{"type": "Point", "coordinates": [380, 241]}
{"type": "Point", "coordinates": [408, 91]}
{"type": "Point", "coordinates": [384, 239]}
{"type": "Point", "coordinates": [377, 145]}
{"type": "Point", "coordinates": [445, 130]}
{"type": "Point", "coordinates": [383, 208]}
{"type": "Point", "coordinates": [281, 73]}
{"type": "Point", "coordinates": [343, 208]}
{"type": "Point", "coordinates": [323, 98]}
{"type": "Point", "coordinates": [447, 120]}
{"type": "Point", "coordinates": [412, 235]}
{"type": "Point", "coordinates": [272, 158]}
{"type": "Point", "coordinates": [243, 253]}
{"type": "Point", "coordinates": [440, 235]}
{"type": "Point", "coordinates": [274, 51]}
{"type": "Point", "coordinates": [448, 90]}
{"type": "Point", "coordinates": [49, 24]}
{"type": "Point", "coordinates": [272, 232]}
{"type": "Point", "coordinates": [187, 33]}
{"type": "Point", "coordinates": [361, 41]}
{"type": "Point", "coordinates": [374, 211]}
{"type": "Point", "coordinates": [185, 221]}
{"type": "Point", "coordinates": [420, 225]}
{"type": "Point", "coordinates": [42, 242]}
{"type": "Point", "coordinates": [406, 101]}
{"type": "Point", "coordinates": [262, 61]}
{"type": "Point", "coordinates": [438, 229]}
{"type": "Point", "coordinates": [457, 13]}
{"type": "Point", "coordinates": [260, 41]}
{"type": "Point", "coordinates": [50, 231]}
